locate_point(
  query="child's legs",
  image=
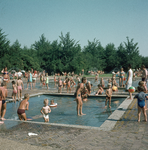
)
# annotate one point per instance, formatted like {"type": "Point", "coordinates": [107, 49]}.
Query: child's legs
{"type": "Point", "coordinates": [20, 117]}
{"type": "Point", "coordinates": [3, 110]}
{"type": "Point", "coordinates": [20, 94]}
{"type": "Point", "coordinates": [144, 113]}
{"type": "Point", "coordinates": [23, 116]}
{"type": "Point", "coordinates": [106, 101]}
{"type": "Point", "coordinates": [81, 104]}
{"type": "Point", "coordinates": [31, 85]}
{"type": "Point", "coordinates": [139, 113]}
{"type": "Point", "coordinates": [78, 104]}
{"type": "Point", "coordinates": [110, 102]}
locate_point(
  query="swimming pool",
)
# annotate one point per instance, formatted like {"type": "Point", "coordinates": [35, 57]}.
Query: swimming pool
{"type": "Point", "coordinates": [65, 112]}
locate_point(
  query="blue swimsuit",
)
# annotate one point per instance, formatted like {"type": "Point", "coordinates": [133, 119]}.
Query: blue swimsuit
{"type": "Point", "coordinates": [141, 99]}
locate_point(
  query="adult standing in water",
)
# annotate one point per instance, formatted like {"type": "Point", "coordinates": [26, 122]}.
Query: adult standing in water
{"type": "Point", "coordinates": [78, 93]}
{"type": "Point", "coordinates": [144, 73]}
{"type": "Point", "coordinates": [4, 95]}
{"type": "Point", "coordinates": [129, 79]}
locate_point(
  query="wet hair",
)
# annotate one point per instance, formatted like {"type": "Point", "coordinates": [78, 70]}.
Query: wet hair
{"type": "Point", "coordinates": [141, 83]}
{"type": "Point", "coordinates": [26, 95]}
{"type": "Point", "coordinates": [84, 78]}
{"type": "Point", "coordinates": [19, 78]}
{"type": "Point", "coordinates": [13, 82]}
{"type": "Point", "coordinates": [99, 85]}
{"type": "Point", "coordinates": [45, 101]}
{"type": "Point", "coordinates": [140, 88]}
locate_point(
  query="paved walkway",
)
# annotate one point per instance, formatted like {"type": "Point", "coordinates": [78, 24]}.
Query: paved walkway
{"type": "Point", "coordinates": [127, 134]}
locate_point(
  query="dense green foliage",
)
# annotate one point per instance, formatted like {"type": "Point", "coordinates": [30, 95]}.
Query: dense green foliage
{"type": "Point", "coordinates": [67, 55]}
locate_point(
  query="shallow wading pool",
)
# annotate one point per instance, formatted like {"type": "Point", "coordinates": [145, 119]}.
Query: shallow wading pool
{"type": "Point", "coordinates": [65, 112]}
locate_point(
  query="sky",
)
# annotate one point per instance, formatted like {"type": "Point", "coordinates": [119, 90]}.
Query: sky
{"type": "Point", "coordinates": [108, 21]}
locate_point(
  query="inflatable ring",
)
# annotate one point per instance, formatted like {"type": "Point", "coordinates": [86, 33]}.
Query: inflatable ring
{"type": "Point", "coordinates": [55, 105]}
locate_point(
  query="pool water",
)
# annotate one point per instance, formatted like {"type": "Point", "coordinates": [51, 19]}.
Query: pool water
{"type": "Point", "coordinates": [65, 112]}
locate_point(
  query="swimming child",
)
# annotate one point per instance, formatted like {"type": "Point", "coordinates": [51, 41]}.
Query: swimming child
{"type": "Point", "coordinates": [45, 110]}
{"type": "Point", "coordinates": [52, 104]}
{"type": "Point", "coordinates": [102, 83]}
{"type": "Point", "coordinates": [24, 105]}
{"type": "Point", "coordinates": [19, 88]}
{"type": "Point", "coordinates": [108, 95]}
{"type": "Point", "coordinates": [14, 86]}
{"type": "Point", "coordinates": [141, 96]}
{"type": "Point", "coordinates": [100, 91]}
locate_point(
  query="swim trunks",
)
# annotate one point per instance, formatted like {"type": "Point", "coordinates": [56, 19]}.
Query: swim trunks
{"type": "Point", "coordinates": [45, 116]}
{"type": "Point", "coordinates": [20, 111]}
{"type": "Point", "coordinates": [15, 91]}
{"type": "Point", "coordinates": [19, 88]}
{"type": "Point", "coordinates": [3, 102]}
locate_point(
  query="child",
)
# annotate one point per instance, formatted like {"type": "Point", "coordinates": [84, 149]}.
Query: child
{"type": "Point", "coordinates": [102, 83]}
{"type": "Point", "coordinates": [100, 91]}
{"type": "Point", "coordinates": [108, 95]}
{"type": "Point", "coordinates": [19, 87]}
{"type": "Point", "coordinates": [24, 105]}
{"type": "Point", "coordinates": [68, 85]}
{"type": "Point", "coordinates": [96, 78]}
{"type": "Point", "coordinates": [45, 110]}
{"type": "Point", "coordinates": [52, 103]}
{"type": "Point", "coordinates": [143, 83]}
{"type": "Point", "coordinates": [14, 86]}
{"type": "Point", "coordinates": [55, 80]}
{"type": "Point", "coordinates": [141, 102]}
{"type": "Point", "coordinates": [60, 84]}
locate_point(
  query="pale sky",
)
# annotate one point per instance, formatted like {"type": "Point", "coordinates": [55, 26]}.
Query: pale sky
{"type": "Point", "coordinates": [109, 21]}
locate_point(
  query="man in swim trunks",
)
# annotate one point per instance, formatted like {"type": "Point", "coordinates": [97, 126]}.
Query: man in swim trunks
{"type": "Point", "coordinates": [3, 108]}
{"type": "Point", "coordinates": [79, 90]}
{"type": "Point", "coordinates": [24, 105]}
{"type": "Point", "coordinates": [144, 73]}
{"type": "Point", "coordinates": [2, 95]}
{"type": "Point", "coordinates": [141, 96]}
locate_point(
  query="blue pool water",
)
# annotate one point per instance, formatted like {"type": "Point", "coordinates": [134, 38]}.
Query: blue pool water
{"type": "Point", "coordinates": [65, 112]}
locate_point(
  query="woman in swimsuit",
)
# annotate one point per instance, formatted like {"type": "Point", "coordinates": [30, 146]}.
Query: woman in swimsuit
{"type": "Point", "coordinates": [5, 75]}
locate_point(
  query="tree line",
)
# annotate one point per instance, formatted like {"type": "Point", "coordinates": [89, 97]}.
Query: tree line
{"type": "Point", "coordinates": [67, 55]}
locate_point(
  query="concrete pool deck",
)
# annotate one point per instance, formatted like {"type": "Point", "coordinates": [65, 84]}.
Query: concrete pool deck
{"type": "Point", "coordinates": [127, 133]}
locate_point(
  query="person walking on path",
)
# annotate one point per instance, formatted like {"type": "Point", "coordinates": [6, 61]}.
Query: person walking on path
{"type": "Point", "coordinates": [129, 79]}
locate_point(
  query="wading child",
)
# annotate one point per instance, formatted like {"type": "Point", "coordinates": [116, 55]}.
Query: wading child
{"type": "Point", "coordinates": [141, 96]}
{"type": "Point", "coordinates": [100, 91]}
{"type": "Point", "coordinates": [14, 86]}
{"type": "Point", "coordinates": [19, 88]}
{"type": "Point", "coordinates": [108, 95]}
{"type": "Point", "coordinates": [96, 78]}
{"type": "Point", "coordinates": [45, 110]}
{"type": "Point", "coordinates": [24, 105]}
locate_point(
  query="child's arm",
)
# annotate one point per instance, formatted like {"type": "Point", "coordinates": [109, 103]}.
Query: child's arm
{"type": "Point", "coordinates": [49, 110]}
{"type": "Point", "coordinates": [42, 111]}
{"type": "Point", "coordinates": [22, 85]}
{"type": "Point", "coordinates": [27, 105]}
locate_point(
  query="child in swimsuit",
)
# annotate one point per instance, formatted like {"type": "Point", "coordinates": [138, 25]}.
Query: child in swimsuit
{"type": "Point", "coordinates": [102, 83]}
{"type": "Point", "coordinates": [19, 87]}
{"type": "Point", "coordinates": [68, 85]}
{"type": "Point", "coordinates": [24, 105]}
{"type": "Point", "coordinates": [100, 91]}
{"type": "Point", "coordinates": [14, 86]}
{"type": "Point", "coordinates": [47, 80]}
{"type": "Point", "coordinates": [108, 95]}
{"type": "Point", "coordinates": [45, 110]}
{"type": "Point", "coordinates": [141, 96]}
